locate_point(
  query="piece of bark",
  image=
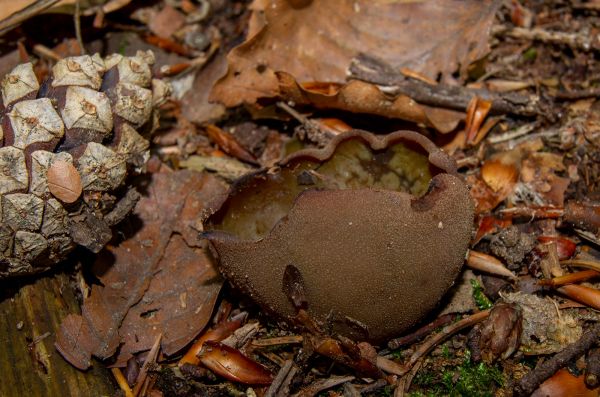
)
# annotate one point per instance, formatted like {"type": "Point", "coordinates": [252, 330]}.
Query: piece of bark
{"type": "Point", "coordinates": [29, 364]}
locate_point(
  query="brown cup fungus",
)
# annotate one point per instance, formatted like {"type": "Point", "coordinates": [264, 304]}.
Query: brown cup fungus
{"type": "Point", "coordinates": [376, 227]}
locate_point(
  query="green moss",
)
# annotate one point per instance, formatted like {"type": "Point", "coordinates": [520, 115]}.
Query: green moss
{"type": "Point", "coordinates": [446, 351]}
{"type": "Point", "coordinates": [123, 44]}
{"type": "Point", "coordinates": [530, 55]}
{"type": "Point", "coordinates": [481, 300]}
{"type": "Point", "coordinates": [466, 380]}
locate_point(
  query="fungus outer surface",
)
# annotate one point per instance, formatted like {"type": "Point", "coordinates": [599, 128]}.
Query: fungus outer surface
{"type": "Point", "coordinates": [377, 228]}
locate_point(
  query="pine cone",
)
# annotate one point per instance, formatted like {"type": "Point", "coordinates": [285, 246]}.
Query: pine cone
{"type": "Point", "coordinates": [66, 147]}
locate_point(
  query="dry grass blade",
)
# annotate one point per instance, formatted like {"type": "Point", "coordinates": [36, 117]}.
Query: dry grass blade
{"type": "Point", "coordinates": [122, 382]}
{"type": "Point", "coordinates": [150, 359]}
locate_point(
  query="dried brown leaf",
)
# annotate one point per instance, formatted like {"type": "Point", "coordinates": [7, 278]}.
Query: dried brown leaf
{"type": "Point", "coordinates": [360, 97]}
{"type": "Point", "coordinates": [231, 364]}
{"type": "Point", "coordinates": [500, 176]}
{"type": "Point", "coordinates": [166, 22]}
{"type": "Point", "coordinates": [229, 144]}
{"type": "Point", "coordinates": [538, 173]}
{"type": "Point", "coordinates": [194, 103]}
{"type": "Point", "coordinates": [221, 331]}
{"type": "Point", "coordinates": [563, 384]}
{"type": "Point", "coordinates": [159, 280]}
{"type": "Point", "coordinates": [317, 42]}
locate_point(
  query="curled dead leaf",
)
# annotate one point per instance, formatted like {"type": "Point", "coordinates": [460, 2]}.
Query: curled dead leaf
{"type": "Point", "coordinates": [216, 334]}
{"type": "Point", "coordinates": [477, 111]}
{"type": "Point", "coordinates": [231, 364]}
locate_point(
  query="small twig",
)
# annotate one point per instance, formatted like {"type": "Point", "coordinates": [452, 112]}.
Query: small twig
{"type": "Point", "coordinates": [44, 52]}
{"type": "Point", "coordinates": [302, 119]}
{"type": "Point", "coordinates": [445, 333]}
{"type": "Point", "coordinates": [281, 383]}
{"type": "Point", "coordinates": [323, 384]}
{"type": "Point", "coordinates": [281, 340]}
{"type": "Point", "coordinates": [24, 14]}
{"type": "Point", "coordinates": [533, 379]}
{"type": "Point", "coordinates": [582, 40]}
{"type": "Point", "coordinates": [403, 383]}
{"type": "Point", "coordinates": [77, 20]}
{"type": "Point", "coordinates": [451, 97]}
{"type": "Point", "coordinates": [313, 132]}
{"type": "Point", "coordinates": [40, 338]}
{"type": "Point", "coordinates": [470, 162]}
{"type": "Point", "coordinates": [534, 212]}
{"type": "Point", "coordinates": [516, 133]}
{"type": "Point", "coordinates": [416, 336]}
{"type": "Point", "coordinates": [577, 94]}
{"type": "Point", "coordinates": [123, 207]}
{"type": "Point", "coordinates": [569, 278]}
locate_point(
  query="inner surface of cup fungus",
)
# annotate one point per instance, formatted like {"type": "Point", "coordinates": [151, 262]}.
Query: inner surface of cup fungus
{"type": "Point", "coordinates": [377, 227]}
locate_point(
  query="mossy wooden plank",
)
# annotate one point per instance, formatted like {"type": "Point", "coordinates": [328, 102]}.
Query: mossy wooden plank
{"type": "Point", "coordinates": [30, 315]}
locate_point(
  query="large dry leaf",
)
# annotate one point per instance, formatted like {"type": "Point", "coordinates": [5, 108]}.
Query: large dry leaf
{"type": "Point", "coordinates": [317, 42]}
{"type": "Point", "coordinates": [160, 281]}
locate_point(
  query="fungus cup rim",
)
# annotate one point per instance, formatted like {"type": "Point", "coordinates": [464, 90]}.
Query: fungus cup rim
{"type": "Point", "coordinates": [437, 158]}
